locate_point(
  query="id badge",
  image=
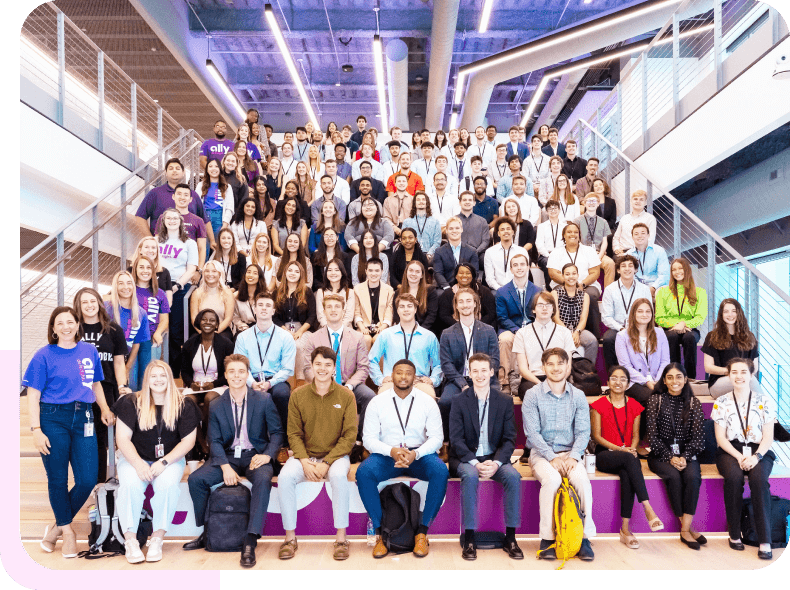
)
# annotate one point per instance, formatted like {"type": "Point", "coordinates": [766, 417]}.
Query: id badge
{"type": "Point", "coordinates": [237, 452]}
{"type": "Point", "coordinates": [676, 449]}
{"type": "Point", "coordinates": [88, 429]}
{"type": "Point", "coordinates": [159, 451]}
{"type": "Point", "coordinates": [747, 451]}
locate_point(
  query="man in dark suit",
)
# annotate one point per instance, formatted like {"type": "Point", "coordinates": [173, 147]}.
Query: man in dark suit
{"type": "Point", "coordinates": [554, 147]}
{"type": "Point", "coordinates": [448, 257]}
{"type": "Point", "coordinates": [360, 189]}
{"type": "Point", "coordinates": [459, 342]}
{"type": "Point", "coordinates": [516, 147]}
{"type": "Point", "coordinates": [482, 439]}
{"type": "Point", "coordinates": [244, 434]}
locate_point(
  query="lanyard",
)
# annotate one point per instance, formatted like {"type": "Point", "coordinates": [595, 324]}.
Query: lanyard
{"type": "Point", "coordinates": [470, 346]}
{"type": "Point", "coordinates": [160, 423]}
{"type": "Point", "coordinates": [238, 419]}
{"type": "Point", "coordinates": [289, 166]}
{"type": "Point", "coordinates": [483, 415]}
{"type": "Point", "coordinates": [537, 166]}
{"type": "Point", "coordinates": [554, 234]}
{"type": "Point", "coordinates": [542, 348]}
{"type": "Point", "coordinates": [614, 417]}
{"type": "Point", "coordinates": [439, 202]}
{"type": "Point", "coordinates": [506, 256]}
{"type": "Point", "coordinates": [630, 299]}
{"type": "Point", "coordinates": [405, 346]}
{"type": "Point", "coordinates": [501, 169]}
{"type": "Point", "coordinates": [252, 311]}
{"type": "Point", "coordinates": [573, 260]}
{"type": "Point", "coordinates": [262, 357]}
{"type": "Point", "coordinates": [681, 305]}
{"type": "Point", "coordinates": [482, 152]}
{"type": "Point", "coordinates": [312, 172]}
{"type": "Point", "coordinates": [204, 365]}
{"type": "Point", "coordinates": [247, 236]}
{"type": "Point", "coordinates": [424, 223]}
{"type": "Point", "coordinates": [301, 151]}
{"type": "Point", "coordinates": [590, 233]}
{"type": "Point", "coordinates": [746, 428]}
{"type": "Point", "coordinates": [408, 415]}
{"type": "Point", "coordinates": [641, 260]}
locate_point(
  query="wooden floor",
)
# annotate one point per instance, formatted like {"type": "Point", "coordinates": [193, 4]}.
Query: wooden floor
{"type": "Point", "coordinates": [656, 552]}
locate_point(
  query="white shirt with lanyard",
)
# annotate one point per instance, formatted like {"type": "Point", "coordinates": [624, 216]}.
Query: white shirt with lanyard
{"type": "Point", "coordinates": [469, 339]}
{"type": "Point", "coordinates": [548, 342]}
{"type": "Point", "coordinates": [746, 451]}
{"type": "Point", "coordinates": [626, 306]}
{"type": "Point", "coordinates": [403, 424]}
{"type": "Point", "coordinates": [238, 420]}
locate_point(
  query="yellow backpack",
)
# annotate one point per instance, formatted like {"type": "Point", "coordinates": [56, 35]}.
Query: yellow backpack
{"type": "Point", "coordinates": [568, 523]}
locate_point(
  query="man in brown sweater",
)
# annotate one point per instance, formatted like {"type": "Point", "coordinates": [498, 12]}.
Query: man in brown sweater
{"type": "Point", "coordinates": [322, 430]}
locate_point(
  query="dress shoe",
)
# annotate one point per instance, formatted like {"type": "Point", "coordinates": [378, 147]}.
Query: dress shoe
{"type": "Point", "coordinates": [69, 546]}
{"type": "Point", "coordinates": [421, 545]}
{"type": "Point", "coordinates": [585, 551]}
{"type": "Point", "coordinates": [513, 550]}
{"type": "Point", "coordinates": [443, 452]}
{"type": "Point", "coordinates": [282, 456]}
{"type": "Point", "coordinates": [199, 543]}
{"type": "Point", "coordinates": [524, 459]}
{"type": "Point", "coordinates": [470, 552]}
{"type": "Point", "coordinates": [341, 551]}
{"type": "Point", "coordinates": [736, 546]}
{"type": "Point", "coordinates": [51, 534]}
{"type": "Point", "coordinates": [700, 538]}
{"type": "Point", "coordinates": [288, 549]}
{"type": "Point", "coordinates": [765, 554]}
{"type": "Point", "coordinates": [546, 550]}
{"type": "Point", "coordinates": [247, 556]}
{"type": "Point", "coordinates": [380, 550]}
{"type": "Point", "coordinates": [692, 544]}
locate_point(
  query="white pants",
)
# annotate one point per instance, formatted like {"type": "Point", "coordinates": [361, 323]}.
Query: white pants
{"type": "Point", "coordinates": [292, 474]}
{"type": "Point", "coordinates": [131, 495]}
{"type": "Point", "coordinates": [550, 481]}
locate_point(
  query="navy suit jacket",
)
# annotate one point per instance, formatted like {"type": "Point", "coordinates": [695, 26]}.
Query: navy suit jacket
{"type": "Point", "coordinates": [560, 150]}
{"type": "Point", "coordinates": [508, 306]}
{"type": "Point", "coordinates": [523, 150]}
{"type": "Point", "coordinates": [444, 263]}
{"type": "Point", "coordinates": [465, 427]}
{"type": "Point", "coordinates": [263, 425]}
{"type": "Point", "coordinates": [452, 351]}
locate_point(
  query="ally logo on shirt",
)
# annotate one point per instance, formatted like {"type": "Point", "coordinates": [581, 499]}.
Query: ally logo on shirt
{"type": "Point", "coordinates": [86, 372]}
{"type": "Point", "coordinates": [153, 309]}
{"type": "Point", "coordinates": [170, 251]}
{"type": "Point", "coordinates": [131, 333]}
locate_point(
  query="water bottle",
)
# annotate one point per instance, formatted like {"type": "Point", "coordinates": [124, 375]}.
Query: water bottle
{"type": "Point", "coordinates": [371, 533]}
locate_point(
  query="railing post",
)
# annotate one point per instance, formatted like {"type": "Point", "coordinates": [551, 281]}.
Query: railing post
{"type": "Point", "coordinates": [619, 141]}
{"type": "Point", "coordinates": [581, 140]}
{"type": "Point", "coordinates": [598, 127]}
{"type": "Point", "coordinates": [717, 48]}
{"type": "Point", "coordinates": [95, 250]}
{"type": "Point", "coordinates": [753, 291]}
{"type": "Point", "coordinates": [676, 234]}
{"type": "Point", "coordinates": [627, 188]}
{"type": "Point", "coordinates": [676, 66]}
{"type": "Point", "coordinates": [61, 110]}
{"type": "Point", "coordinates": [711, 283]}
{"type": "Point", "coordinates": [61, 268]}
{"type": "Point", "coordinates": [776, 24]}
{"type": "Point", "coordinates": [123, 226]}
{"type": "Point", "coordinates": [159, 134]}
{"type": "Point", "coordinates": [645, 144]}
{"type": "Point", "coordinates": [100, 92]}
{"type": "Point", "coordinates": [134, 125]}
{"type": "Point", "coordinates": [649, 190]}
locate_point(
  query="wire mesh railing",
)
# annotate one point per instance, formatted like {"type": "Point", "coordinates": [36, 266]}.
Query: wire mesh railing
{"type": "Point", "coordinates": [717, 267]}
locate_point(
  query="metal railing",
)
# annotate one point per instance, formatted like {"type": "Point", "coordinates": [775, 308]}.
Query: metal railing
{"type": "Point", "coordinates": [717, 267]}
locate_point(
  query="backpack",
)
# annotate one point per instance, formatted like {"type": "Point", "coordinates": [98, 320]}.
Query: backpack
{"type": "Point", "coordinates": [584, 376]}
{"type": "Point", "coordinates": [780, 510]}
{"type": "Point", "coordinates": [400, 506]}
{"type": "Point", "coordinates": [227, 516]}
{"type": "Point", "coordinates": [568, 523]}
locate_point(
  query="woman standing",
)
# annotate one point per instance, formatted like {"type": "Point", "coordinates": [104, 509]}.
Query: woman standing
{"type": "Point", "coordinates": [63, 380]}
{"type": "Point", "coordinates": [250, 167]}
{"type": "Point", "coordinates": [336, 282]}
{"type": "Point", "coordinates": [305, 184]}
{"type": "Point", "coordinates": [315, 169]}
{"type": "Point", "coordinates": [156, 429]}
{"type": "Point", "coordinates": [233, 171]}
{"type": "Point", "coordinates": [371, 248]}
{"type": "Point", "coordinates": [294, 310]}
{"type": "Point", "coordinates": [288, 222]}
{"type": "Point", "coordinates": [616, 450]}
{"type": "Point", "coordinates": [409, 249]}
{"type": "Point", "coordinates": [213, 294]}
{"type": "Point", "coordinates": [244, 308]}
{"type": "Point", "coordinates": [243, 134]}
{"type": "Point", "coordinates": [247, 223]}
{"type": "Point", "coordinates": [607, 208]}
{"type": "Point", "coordinates": [154, 303]}
{"type": "Point", "coordinates": [573, 305]}
{"type": "Point", "coordinates": [464, 136]}
{"type": "Point", "coordinates": [294, 252]}
{"type": "Point", "coordinates": [466, 277]}
{"type": "Point", "coordinates": [744, 426]}
{"type": "Point", "coordinates": [260, 193]}
{"type": "Point", "coordinates": [440, 140]}
{"type": "Point", "coordinates": [107, 336]}
{"type": "Point", "coordinates": [729, 339]}
{"type": "Point", "coordinates": [427, 298]}
{"type": "Point", "coordinates": [149, 246]}
{"type": "Point", "coordinates": [125, 310]}
{"type": "Point", "coordinates": [217, 196]}
{"type": "Point", "coordinates": [448, 151]}
{"type": "Point", "coordinates": [675, 433]}
{"type": "Point", "coordinates": [232, 262]}
{"type": "Point", "coordinates": [543, 131]}
{"type": "Point", "coordinates": [328, 250]}
{"type": "Point", "coordinates": [548, 185]}
{"type": "Point", "coordinates": [291, 190]}
{"type": "Point", "coordinates": [262, 256]}
{"type": "Point", "coordinates": [681, 307]}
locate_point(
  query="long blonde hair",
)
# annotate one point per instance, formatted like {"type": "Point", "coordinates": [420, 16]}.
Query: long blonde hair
{"type": "Point", "coordinates": [157, 260]}
{"type": "Point", "coordinates": [116, 301]}
{"type": "Point", "coordinates": [202, 291]}
{"type": "Point", "coordinates": [268, 262]}
{"type": "Point", "coordinates": [146, 407]}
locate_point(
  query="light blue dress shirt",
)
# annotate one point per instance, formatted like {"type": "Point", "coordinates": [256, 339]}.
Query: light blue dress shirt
{"type": "Point", "coordinates": [423, 352]}
{"type": "Point", "coordinates": [431, 235]}
{"type": "Point", "coordinates": [278, 361]}
{"type": "Point", "coordinates": [653, 266]}
{"type": "Point", "coordinates": [554, 424]}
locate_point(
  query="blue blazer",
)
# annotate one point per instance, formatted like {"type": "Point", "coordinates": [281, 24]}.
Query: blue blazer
{"type": "Point", "coordinates": [465, 427]}
{"type": "Point", "coordinates": [263, 425]}
{"type": "Point", "coordinates": [523, 150]}
{"type": "Point", "coordinates": [508, 306]}
{"type": "Point", "coordinates": [444, 263]}
{"type": "Point", "coordinates": [452, 351]}
{"type": "Point", "coordinates": [560, 150]}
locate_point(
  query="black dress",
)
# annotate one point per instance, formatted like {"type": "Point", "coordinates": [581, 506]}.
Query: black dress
{"type": "Point", "coordinates": [428, 319]}
{"type": "Point", "coordinates": [320, 269]}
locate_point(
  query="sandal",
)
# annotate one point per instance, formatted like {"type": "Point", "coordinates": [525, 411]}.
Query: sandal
{"type": "Point", "coordinates": [629, 540]}
{"type": "Point", "coordinates": [656, 525]}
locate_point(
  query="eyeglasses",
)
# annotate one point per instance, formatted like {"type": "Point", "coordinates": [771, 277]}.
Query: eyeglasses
{"type": "Point", "coordinates": [544, 305]}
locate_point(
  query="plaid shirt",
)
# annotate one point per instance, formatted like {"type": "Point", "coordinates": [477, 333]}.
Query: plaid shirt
{"type": "Point", "coordinates": [554, 424]}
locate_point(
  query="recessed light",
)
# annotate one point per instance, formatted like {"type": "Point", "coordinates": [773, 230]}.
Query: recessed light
{"type": "Point", "coordinates": [153, 48]}
{"type": "Point", "coordinates": [156, 100]}
{"type": "Point", "coordinates": [337, 84]}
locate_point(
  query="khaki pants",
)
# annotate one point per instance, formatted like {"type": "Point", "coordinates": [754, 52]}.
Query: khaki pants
{"type": "Point", "coordinates": [506, 358]}
{"type": "Point", "coordinates": [607, 266]}
{"type": "Point", "coordinates": [426, 387]}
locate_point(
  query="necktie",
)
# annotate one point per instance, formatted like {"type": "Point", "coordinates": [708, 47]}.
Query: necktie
{"type": "Point", "coordinates": [336, 348]}
{"type": "Point", "coordinates": [523, 306]}
{"type": "Point", "coordinates": [461, 171]}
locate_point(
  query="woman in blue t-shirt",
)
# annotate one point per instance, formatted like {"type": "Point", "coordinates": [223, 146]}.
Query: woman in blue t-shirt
{"type": "Point", "coordinates": [153, 301]}
{"type": "Point", "coordinates": [125, 310]}
{"type": "Point", "coordinates": [63, 379]}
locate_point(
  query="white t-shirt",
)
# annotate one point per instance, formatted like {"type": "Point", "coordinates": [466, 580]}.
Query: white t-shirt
{"type": "Point", "coordinates": [176, 255]}
{"type": "Point", "coordinates": [449, 205]}
{"type": "Point", "coordinates": [584, 258]}
{"type": "Point", "coordinates": [530, 209]}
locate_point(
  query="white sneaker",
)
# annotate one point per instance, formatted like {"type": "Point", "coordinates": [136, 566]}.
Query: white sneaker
{"type": "Point", "coordinates": [133, 553]}
{"type": "Point", "coordinates": [154, 553]}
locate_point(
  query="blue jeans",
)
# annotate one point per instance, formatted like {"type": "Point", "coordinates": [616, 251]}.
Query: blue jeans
{"type": "Point", "coordinates": [378, 468]}
{"type": "Point", "coordinates": [510, 480]}
{"type": "Point", "coordinates": [141, 362]}
{"type": "Point", "coordinates": [64, 426]}
{"type": "Point", "coordinates": [215, 218]}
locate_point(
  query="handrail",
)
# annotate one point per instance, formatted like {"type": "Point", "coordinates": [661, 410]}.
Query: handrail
{"type": "Point", "coordinates": [719, 240]}
{"type": "Point", "coordinates": [134, 173]}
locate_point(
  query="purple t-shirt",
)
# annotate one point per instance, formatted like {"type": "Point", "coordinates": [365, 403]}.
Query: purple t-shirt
{"type": "Point", "coordinates": [64, 375]}
{"type": "Point", "coordinates": [160, 199]}
{"type": "Point", "coordinates": [253, 151]}
{"type": "Point", "coordinates": [193, 225]}
{"type": "Point", "coordinates": [153, 305]}
{"type": "Point", "coordinates": [215, 149]}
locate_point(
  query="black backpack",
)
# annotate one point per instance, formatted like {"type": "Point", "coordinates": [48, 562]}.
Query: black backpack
{"type": "Point", "coordinates": [400, 506]}
{"type": "Point", "coordinates": [780, 509]}
{"type": "Point", "coordinates": [584, 376]}
{"type": "Point", "coordinates": [227, 516]}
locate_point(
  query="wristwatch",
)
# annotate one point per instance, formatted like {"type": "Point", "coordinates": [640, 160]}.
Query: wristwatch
{"type": "Point", "coordinates": [164, 461]}
{"type": "Point", "coordinates": [759, 456]}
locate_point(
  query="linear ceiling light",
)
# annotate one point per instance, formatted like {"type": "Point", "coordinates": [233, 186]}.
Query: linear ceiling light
{"type": "Point", "coordinates": [378, 61]}
{"type": "Point", "coordinates": [289, 62]}
{"type": "Point", "coordinates": [225, 88]}
{"type": "Point", "coordinates": [634, 48]}
{"type": "Point", "coordinates": [485, 16]}
{"type": "Point", "coordinates": [605, 23]}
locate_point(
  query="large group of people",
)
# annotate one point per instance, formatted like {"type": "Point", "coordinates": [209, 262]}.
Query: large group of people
{"type": "Point", "coordinates": [301, 287]}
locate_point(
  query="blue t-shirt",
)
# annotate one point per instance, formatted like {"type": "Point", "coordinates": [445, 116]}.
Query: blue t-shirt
{"type": "Point", "coordinates": [215, 149]}
{"type": "Point", "coordinates": [253, 151]}
{"type": "Point", "coordinates": [214, 199]}
{"type": "Point", "coordinates": [133, 335]}
{"type": "Point", "coordinates": [64, 375]}
{"type": "Point", "coordinates": [153, 305]}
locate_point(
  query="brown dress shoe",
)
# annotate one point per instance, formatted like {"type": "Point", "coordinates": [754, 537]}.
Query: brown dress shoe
{"type": "Point", "coordinates": [288, 549]}
{"type": "Point", "coordinates": [380, 550]}
{"type": "Point", "coordinates": [443, 452]}
{"type": "Point", "coordinates": [341, 550]}
{"type": "Point", "coordinates": [282, 456]}
{"type": "Point", "coordinates": [421, 545]}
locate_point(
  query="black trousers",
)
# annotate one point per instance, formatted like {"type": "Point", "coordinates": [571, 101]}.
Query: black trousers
{"type": "Point", "coordinates": [682, 486]}
{"type": "Point", "coordinates": [525, 386]}
{"type": "Point", "coordinates": [208, 475]}
{"type": "Point", "coordinates": [594, 314]}
{"type": "Point", "coordinates": [759, 486]}
{"type": "Point", "coordinates": [111, 395]}
{"type": "Point", "coordinates": [543, 262]}
{"type": "Point", "coordinates": [688, 340]}
{"type": "Point", "coordinates": [632, 482]}
{"type": "Point", "coordinates": [609, 354]}
{"type": "Point", "coordinates": [642, 394]}
{"type": "Point", "coordinates": [176, 329]}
